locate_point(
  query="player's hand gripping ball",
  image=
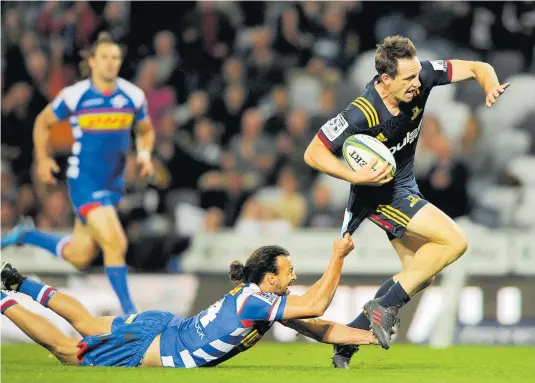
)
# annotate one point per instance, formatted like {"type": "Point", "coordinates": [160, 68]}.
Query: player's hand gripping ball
{"type": "Point", "coordinates": [370, 158]}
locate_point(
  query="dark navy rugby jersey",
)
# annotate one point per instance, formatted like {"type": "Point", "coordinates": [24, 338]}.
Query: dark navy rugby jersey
{"type": "Point", "coordinates": [369, 115]}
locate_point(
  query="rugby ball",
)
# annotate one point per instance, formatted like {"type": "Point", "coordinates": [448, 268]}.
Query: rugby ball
{"type": "Point", "coordinates": [360, 149]}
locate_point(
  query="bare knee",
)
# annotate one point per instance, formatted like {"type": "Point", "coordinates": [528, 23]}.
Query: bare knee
{"type": "Point", "coordinates": [458, 243]}
{"type": "Point", "coordinates": [114, 245]}
{"type": "Point", "coordinates": [80, 254]}
{"type": "Point", "coordinates": [65, 349]}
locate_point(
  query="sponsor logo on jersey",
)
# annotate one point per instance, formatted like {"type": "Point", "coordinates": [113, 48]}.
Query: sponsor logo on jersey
{"type": "Point", "coordinates": [381, 137]}
{"type": "Point", "coordinates": [439, 65]}
{"type": "Point", "coordinates": [266, 297]}
{"type": "Point", "coordinates": [409, 139]}
{"type": "Point", "coordinates": [199, 329]}
{"type": "Point", "coordinates": [100, 194]}
{"type": "Point", "coordinates": [92, 102]}
{"type": "Point", "coordinates": [106, 121]}
{"type": "Point", "coordinates": [236, 289]}
{"type": "Point", "coordinates": [119, 101]}
{"type": "Point", "coordinates": [416, 112]}
{"type": "Point", "coordinates": [335, 127]}
{"type": "Point", "coordinates": [413, 200]}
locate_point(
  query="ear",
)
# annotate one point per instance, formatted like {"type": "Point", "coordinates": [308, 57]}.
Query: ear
{"type": "Point", "coordinates": [271, 278]}
{"type": "Point", "coordinates": [385, 79]}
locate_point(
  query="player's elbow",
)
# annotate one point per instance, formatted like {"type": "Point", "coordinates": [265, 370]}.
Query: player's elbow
{"type": "Point", "coordinates": [318, 309]}
{"type": "Point", "coordinates": [310, 154]}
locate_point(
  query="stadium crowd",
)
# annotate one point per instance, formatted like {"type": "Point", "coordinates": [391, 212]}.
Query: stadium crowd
{"type": "Point", "coordinates": [237, 90]}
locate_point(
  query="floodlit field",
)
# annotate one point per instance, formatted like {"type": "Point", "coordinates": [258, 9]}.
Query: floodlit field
{"type": "Point", "coordinates": [296, 362]}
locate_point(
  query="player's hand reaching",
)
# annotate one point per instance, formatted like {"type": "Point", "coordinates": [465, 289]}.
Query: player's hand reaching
{"type": "Point", "coordinates": [368, 176]}
{"type": "Point", "coordinates": [343, 246]}
{"type": "Point", "coordinates": [144, 162]}
{"type": "Point", "coordinates": [494, 93]}
{"type": "Point", "coordinates": [46, 168]}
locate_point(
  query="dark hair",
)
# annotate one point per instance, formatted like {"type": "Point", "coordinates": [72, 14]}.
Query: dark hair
{"type": "Point", "coordinates": [390, 51]}
{"type": "Point", "coordinates": [262, 261]}
{"type": "Point", "coordinates": [103, 38]}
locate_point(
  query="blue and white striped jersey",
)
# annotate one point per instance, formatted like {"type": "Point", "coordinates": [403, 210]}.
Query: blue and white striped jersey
{"type": "Point", "coordinates": [229, 326]}
{"type": "Point", "coordinates": [101, 124]}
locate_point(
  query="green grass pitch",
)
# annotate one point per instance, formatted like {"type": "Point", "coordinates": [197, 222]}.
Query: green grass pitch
{"type": "Point", "coordinates": [295, 362]}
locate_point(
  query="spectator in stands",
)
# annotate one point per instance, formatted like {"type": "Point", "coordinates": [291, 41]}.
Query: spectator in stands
{"type": "Point", "coordinates": [55, 209]}
{"type": "Point", "coordinates": [197, 106]}
{"type": "Point", "coordinates": [274, 209]}
{"type": "Point", "coordinates": [169, 70]}
{"type": "Point", "coordinates": [229, 110]}
{"type": "Point", "coordinates": [264, 70]}
{"type": "Point", "coordinates": [158, 98]}
{"type": "Point", "coordinates": [446, 183]}
{"type": "Point", "coordinates": [292, 143]}
{"type": "Point", "coordinates": [327, 108]}
{"type": "Point", "coordinates": [252, 150]}
{"type": "Point", "coordinates": [233, 74]}
{"type": "Point", "coordinates": [205, 146]}
{"type": "Point", "coordinates": [320, 211]}
{"type": "Point", "coordinates": [279, 101]}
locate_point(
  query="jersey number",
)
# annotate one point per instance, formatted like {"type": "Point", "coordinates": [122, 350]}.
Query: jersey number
{"type": "Point", "coordinates": [211, 313]}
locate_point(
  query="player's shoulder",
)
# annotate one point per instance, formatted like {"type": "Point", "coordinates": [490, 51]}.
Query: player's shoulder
{"type": "Point", "coordinates": [362, 112]}
{"type": "Point", "coordinates": [132, 91]}
{"type": "Point", "coordinates": [72, 94]}
{"type": "Point", "coordinates": [250, 294]}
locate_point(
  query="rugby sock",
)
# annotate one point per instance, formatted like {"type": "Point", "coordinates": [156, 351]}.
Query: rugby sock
{"type": "Point", "coordinates": [6, 302]}
{"type": "Point", "coordinates": [38, 291]}
{"type": "Point", "coordinates": [117, 277]}
{"type": "Point", "coordinates": [361, 321]}
{"type": "Point", "coordinates": [395, 297]}
{"type": "Point", "coordinates": [51, 242]}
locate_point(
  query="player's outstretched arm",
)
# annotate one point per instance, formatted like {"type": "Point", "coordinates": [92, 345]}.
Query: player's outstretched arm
{"type": "Point", "coordinates": [46, 166]}
{"type": "Point", "coordinates": [484, 74]}
{"type": "Point", "coordinates": [318, 297]}
{"type": "Point", "coordinates": [330, 332]}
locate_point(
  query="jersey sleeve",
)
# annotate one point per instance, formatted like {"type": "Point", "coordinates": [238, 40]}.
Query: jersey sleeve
{"type": "Point", "coordinates": [336, 130]}
{"type": "Point", "coordinates": [435, 73]}
{"type": "Point", "coordinates": [60, 107]}
{"type": "Point", "coordinates": [142, 111]}
{"type": "Point", "coordinates": [263, 306]}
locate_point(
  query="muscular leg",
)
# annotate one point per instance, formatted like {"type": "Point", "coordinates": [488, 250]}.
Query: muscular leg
{"type": "Point", "coordinates": [79, 249]}
{"type": "Point", "coordinates": [445, 243]}
{"type": "Point", "coordinates": [44, 333]}
{"type": "Point", "coordinates": [77, 315]}
{"type": "Point", "coordinates": [406, 247]}
{"type": "Point", "coordinates": [106, 230]}
{"type": "Point", "coordinates": [82, 249]}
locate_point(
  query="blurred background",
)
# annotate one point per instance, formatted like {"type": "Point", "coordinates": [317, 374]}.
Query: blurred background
{"type": "Point", "coordinates": [236, 91]}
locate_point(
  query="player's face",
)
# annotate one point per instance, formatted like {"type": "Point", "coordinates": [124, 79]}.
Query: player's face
{"type": "Point", "coordinates": [404, 85]}
{"type": "Point", "coordinates": [106, 62]}
{"type": "Point", "coordinates": [286, 276]}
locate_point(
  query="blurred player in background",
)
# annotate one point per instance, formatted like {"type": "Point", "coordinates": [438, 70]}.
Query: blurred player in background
{"type": "Point", "coordinates": [101, 109]}
{"type": "Point", "coordinates": [391, 109]}
{"type": "Point", "coordinates": [160, 339]}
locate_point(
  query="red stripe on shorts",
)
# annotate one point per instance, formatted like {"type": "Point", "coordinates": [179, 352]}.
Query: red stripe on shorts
{"type": "Point", "coordinates": [88, 207]}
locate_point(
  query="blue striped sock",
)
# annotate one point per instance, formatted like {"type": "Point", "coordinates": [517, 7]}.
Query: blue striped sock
{"type": "Point", "coordinates": [38, 291]}
{"type": "Point", "coordinates": [51, 242]}
{"type": "Point", "coordinates": [117, 277]}
{"type": "Point", "coordinates": [7, 301]}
